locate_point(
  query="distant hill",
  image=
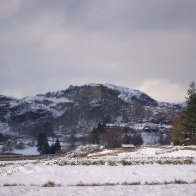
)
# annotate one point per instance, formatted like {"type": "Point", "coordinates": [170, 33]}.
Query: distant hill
{"type": "Point", "coordinates": [78, 109]}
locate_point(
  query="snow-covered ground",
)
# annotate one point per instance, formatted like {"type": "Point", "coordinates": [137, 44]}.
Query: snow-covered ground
{"type": "Point", "coordinates": [25, 177]}
{"type": "Point", "coordinates": [82, 180]}
{"type": "Point", "coordinates": [155, 190]}
{"type": "Point", "coordinates": [90, 155]}
{"type": "Point", "coordinates": [27, 151]}
{"type": "Point", "coordinates": [39, 174]}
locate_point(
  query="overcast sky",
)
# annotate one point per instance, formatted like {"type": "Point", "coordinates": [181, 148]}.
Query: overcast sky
{"type": "Point", "coordinates": [47, 45]}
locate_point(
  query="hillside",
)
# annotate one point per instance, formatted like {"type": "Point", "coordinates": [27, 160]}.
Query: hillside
{"type": "Point", "coordinates": [78, 109]}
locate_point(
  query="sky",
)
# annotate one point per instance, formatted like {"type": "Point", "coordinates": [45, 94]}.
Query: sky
{"type": "Point", "coordinates": [48, 45]}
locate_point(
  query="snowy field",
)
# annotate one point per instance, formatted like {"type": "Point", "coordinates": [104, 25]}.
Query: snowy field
{"type": "Point", "coordinates": [51, 176]}
{"type": "Point", "coordinates": [156, 190]}
{"type": "Point", "coordinates": [98, 180]}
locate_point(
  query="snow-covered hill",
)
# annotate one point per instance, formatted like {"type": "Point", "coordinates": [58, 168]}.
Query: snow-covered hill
{"type": "Point", "coordinates": [78, 109]}
{"type": "Point", "coordinates": [126, 94]}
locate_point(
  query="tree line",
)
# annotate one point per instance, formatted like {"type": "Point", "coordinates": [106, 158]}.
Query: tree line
{"type": "Point", "coordinates": [114, 136]}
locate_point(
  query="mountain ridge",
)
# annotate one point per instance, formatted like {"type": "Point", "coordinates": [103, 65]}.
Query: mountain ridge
{"type": "Point", "coordinates": [78, 109]}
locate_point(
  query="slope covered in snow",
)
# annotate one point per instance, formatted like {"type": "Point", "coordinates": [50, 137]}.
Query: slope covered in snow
{"type": "Point", "coordinates": [127, 94]}
{"type": "Point", "coordinates": [38, 103]}
{"type": "Point", "coordinates": [79, 109]}
{"type": "Point", "coordinates": [4, 128]}
{"type": "Point", "coordinates": [50, 104]}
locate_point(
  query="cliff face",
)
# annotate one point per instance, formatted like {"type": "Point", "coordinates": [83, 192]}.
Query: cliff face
{"type": "Point", "coordinates": [79, 108]}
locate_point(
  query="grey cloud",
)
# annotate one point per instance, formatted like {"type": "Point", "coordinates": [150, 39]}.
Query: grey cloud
{"type": "Point", "coordinates": [48, 45]}
{"type": "Point", "coordinates": [135, 15]}
{"type": "Point", "coordinates": [9, 8]}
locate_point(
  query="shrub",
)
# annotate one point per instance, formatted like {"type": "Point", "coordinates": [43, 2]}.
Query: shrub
{"type": "Point", "coordinates": [49, 184]}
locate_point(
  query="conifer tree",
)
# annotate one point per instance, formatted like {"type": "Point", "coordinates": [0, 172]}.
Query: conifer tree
{"type": "Point", "coordinates": [57, 145]}
{"type": "Point", "coordinates": [42, 143]}
{"type": "Point", "coordinates": [189, 116]}
{"type": "Point", "coordinates": [184, 126]}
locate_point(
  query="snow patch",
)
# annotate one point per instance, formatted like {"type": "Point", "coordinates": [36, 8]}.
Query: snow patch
{"type": "Point", "coordinates": [27, 151]}
{"type": "Point", "coordinates": [126, 94]}
{"type": "Point", "coordinates": [50, 104]}
{"type": "Point", "coordinates": [4, 128]}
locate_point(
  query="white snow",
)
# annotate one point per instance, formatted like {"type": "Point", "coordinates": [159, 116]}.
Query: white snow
{"type": "Point", "coordinates": [151, 152]}
{"type": "Point", "coordinates": [164, 190]}
{"type": "Point", "coordinates": [38, 174]}
{"type": "Point", "coordinates": [30, 176]}
{"type": "Point", "coordinates": [14, 103]}
{"type": "Point", "coordinates": [55, 100]}
{"type": "Point", "coordinates": [33, 176]}
{"type": "Point", "coordinates": [38, 102]}
{"type": "Point", "coordinates": [126, 94]}
{"type": "Point", "coordinates": [141, 126]}
{"type": "Point", "coordinates": [4, 128]}
{"type": "Point", "coordinates": [150, 138]}
{"type": "Point", "coordinates": [27, 151]}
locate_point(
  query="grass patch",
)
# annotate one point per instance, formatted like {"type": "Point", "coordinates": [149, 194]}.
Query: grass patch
{"type": "Point", "coordinates": [194, 182]}
{"type": "Point", "coordinates": [112, 163]}
{"type": "Point", "coordinates": [153, 183]}
{"type": "Point", "coordinates": [179, 181]}
{"type": "Point", "coordinates": [14, 184]}
{"type": "Point", "coordinates": [21, 157]}
{"type": "Point", "coordinates": [115, 152]}
{"type": "Point", "coordinates": [137, 183]}
{"type": "Point", "coordinates": [49, 184]}
{"type": "Point", "coordinates": [174, 161]}
{"type": "Point", "coordinates": [168, 182]}
{"type": "Point", "coordinates": [126, 162]}
{"type": "Point", "coordinates": [176, 181]}
{"type": "Point", "coordinates": [97, 184]}
{"type": "Point", "coordinates": [189, 148]}
{"type": "Point", "coordinates": [130, 183]}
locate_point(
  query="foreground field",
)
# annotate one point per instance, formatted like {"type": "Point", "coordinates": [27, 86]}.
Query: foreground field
{"type": "Point", "coordinates": [88, 171]}
{"type": "Point", "coordinates": [152, 190]}
{"type": "Point", "coordinates": [39, 179]}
